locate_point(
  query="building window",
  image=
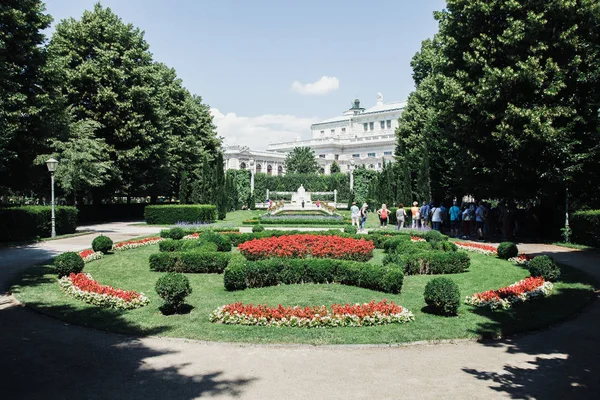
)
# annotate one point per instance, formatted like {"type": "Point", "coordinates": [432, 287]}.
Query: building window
{"type": "Point", "coordinates": [387, 153]}
{"type": "Point", "coordinates": [371, 125]}
{"type": "Point", "coordinates": [371, 166]}
{"type": "Point", "coordinates": [337, 157]}
{"type": "Point", "coordinates": [321, 155]}
{"type": "Point", "coordinates": [379, 165]}
{"type": "Point", "coordinates": [389, 123]}
{"type": "Point", "coordinates": [258, 168]}
{"type": "Point", "coordinates": [322, 133]}
{"type": "Point", "coordinates": [333, 131]}
{"type": "Point", "coordinates": [269, 170]}
{"type": "Point", "coordinates": [382, 123]}
{"type": "Point", "coordinates": [343, 130]}
{"type": "Point", "coordinates": [355, 155]}
{"type": "Point", "coordinates": [370, 154]}
{"type": "Point", "coordinates": [243, 165]}
{"type": "Point", "coordinates": [366, 126]}
{"type": "Point", "coordinates": [279, 170]}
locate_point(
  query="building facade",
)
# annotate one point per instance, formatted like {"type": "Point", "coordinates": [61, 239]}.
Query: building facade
{"type": "Point", "coordinates": [241, 157]}
{"type": "Point", "coordinates": [357, 137]}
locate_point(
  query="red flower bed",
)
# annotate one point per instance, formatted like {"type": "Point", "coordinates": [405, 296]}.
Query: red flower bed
{"type": "Point", "coordinates": [519, 292]}
{"type": "Point", "coordinates": [478, 247]}
{"type": "Point", "coordinates": [85, 253]}
{"type": "Point", "coordinates": [301, 246]}
{"type": "Point", "coordinates": [131, 244]}
{"type": "Point", "coordinates": [83, 282]}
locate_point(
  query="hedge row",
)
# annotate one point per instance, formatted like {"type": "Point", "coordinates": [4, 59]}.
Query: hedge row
{"type": "Point", "coordinates": [172, 214]}
{"type": "Point", "coordinates": [424, 258]}
{"type": "Point", "coordinates": [586, 227]}
{"type": "Point", "coordinates": [241, 273]}
{"type": "Point", "coordinates": [296, 221]}
{"type": "Point", "coordinates": [31, 222]}
{"type": "Point", "coordinates": [192, 261]}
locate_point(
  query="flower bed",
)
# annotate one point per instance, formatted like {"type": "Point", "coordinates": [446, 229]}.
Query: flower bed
{"type": "Point", "coordinates": [486, 249]}
{"type": "Point", "coordinates": [196, 235]}
{"type": "Point", "coordinates": [337, 315]}
{"type": "Point", "coordinates": [417, 239]}
{"type": "Point", "coordinates": [302, 246]}
{"type": "Point", "coordinates": [132, 244]}
{"type": "Point", "coordinates": [521, 259]}
{"type": "Point", "coordinates": [90, 255]}
{"type": "Point", "coordinates": [522, 291]}
{"type": "Point", "coordinates": [83, 287]}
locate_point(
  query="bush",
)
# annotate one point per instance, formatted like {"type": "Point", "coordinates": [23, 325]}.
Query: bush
{"type": "Point", "coordinates": [223, 242]}
{"type": "Point", "coordinates": [545, 267]}
{"type": "Point", "coordinates": [585, 226]}
{"type": "Point", "coordinates": [507, 250]}
{"type": "Point", "coordinates": [31, 222]}
{"type": "Point", "coordinates": [434, 236]}
{"type": "Point", "coordinates": [67, 263]}
{"type": "Point", "coordinates": [350, 229]}
{"type": "Point", "coordinates": [390, 245]}
{"type": "Point", "coordinates": [175, 233]}
{"type": "Point", "coordinates": [173, 288]}
{"type": "Point", "coordinates": [444, 246]}
{"type": "Point", "coordinates": [442, 295]}
{"type": "Point", "coordinates": [168, 245]}
{"type": "Point", "coordinates": [102, 243]}
{"type": "Point", "coordinates": [192, 261]}
{"type": "Point", "coordinates": [435, 262]}
{"type": "Point", "coordinates": [199, 245]}
{"type": "Point", "coordinates": [274, 271]}
{"type": "Point", "coordinates": [171, 214]}
{"type": "Point", "coordinates": [258, 228]}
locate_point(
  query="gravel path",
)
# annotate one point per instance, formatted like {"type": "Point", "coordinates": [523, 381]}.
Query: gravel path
{"type": "Point", "coordinates": [44, 358]}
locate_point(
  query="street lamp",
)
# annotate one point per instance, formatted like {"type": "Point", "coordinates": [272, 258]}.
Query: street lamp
{"type": "Point", "coordinates": [351, 175]}
{"type": "Point", "coordinates": [251, 163]}
{"type": "Point", "coordinates": [52, 164]}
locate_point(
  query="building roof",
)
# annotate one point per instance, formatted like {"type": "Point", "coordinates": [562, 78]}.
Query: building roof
{"type": "Point", "coordinates": [397, 105]}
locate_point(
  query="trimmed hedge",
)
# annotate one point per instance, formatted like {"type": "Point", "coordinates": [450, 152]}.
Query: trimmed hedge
{"type": "Point", "coordinates": [171, 214]}
{"type": "Point", "coordinates": [545, 267]}
{"type": "Point", "coordinates": [585, 226]}
{"type": "Point", "coordinates": [507, 250]}
{"type": "Point", "coordinates": [67, 263]}
{"type": "Point", "coordinates": [442, 295]}
{"type": "Point", "coordinates": [102, 243]}
{"type": "Point", "coordinates": [390, 245]}
{"type": "Point", "coordinates": [242, 273]}
{"type": "Point", "coordinates": [173, 288]}
{"type": "Point", "coordinates": [192, 261]}
{"type": "Point", "coordinates": [432, 262]}
{"type": "Point", "coordinates": [31, 222]}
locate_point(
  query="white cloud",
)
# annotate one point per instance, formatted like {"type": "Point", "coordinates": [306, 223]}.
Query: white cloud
{"type": "Point", "coordinates": [258, 132]}
{"type": "Point", "coordinates": [323, 86]}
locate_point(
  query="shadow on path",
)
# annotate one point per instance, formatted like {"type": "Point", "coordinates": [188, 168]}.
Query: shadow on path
{"type": "Point", "coordinates": [567, 357]}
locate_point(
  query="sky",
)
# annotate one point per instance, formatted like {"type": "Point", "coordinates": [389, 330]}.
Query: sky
{"type": "Point", "coordinates": [269, 69]}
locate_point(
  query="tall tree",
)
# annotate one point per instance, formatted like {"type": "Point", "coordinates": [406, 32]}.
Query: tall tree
{"type": "Point", "coordinates": [26, 112]}
{"type": "Point", "coordinates": [335, 168]}
{"type": "Point", "coordinates": [301, 160]}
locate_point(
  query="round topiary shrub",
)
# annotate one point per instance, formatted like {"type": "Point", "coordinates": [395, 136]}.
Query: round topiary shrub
{"type": "Point", "coordinates": [545, 267]}
{"type": "Point", "coordinates": [173, 288]}
{"type": "Point", "coordinates": [69, 262]}
{"type": "Point", "coordinates": [392, 280]}
{"type": "Point", "coordinates": [350, 229]}
{"type": "Point", "coordinates": [507, 250]}
{"type": "Point", "coordinates": [102, 243]}
{"type": "Point", "coordinates": [258, 228]}
{"type": "Point", "coordinates": [443, 296]}
{"type": "Point", "coordinates": [176, 233]}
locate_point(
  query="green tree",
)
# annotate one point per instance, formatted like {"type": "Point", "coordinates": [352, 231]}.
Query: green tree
{"type": "Point", "coordinates": [301, 160]}
{"type": "Point", "coordinates": [84, 160]}
{"type": "Point", "coordinates": [27, 116]}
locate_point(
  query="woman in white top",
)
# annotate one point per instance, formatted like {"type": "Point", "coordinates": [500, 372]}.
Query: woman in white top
{"type": "Point", "coordinates": [436, 217]}
{"type": "Point", "coordinates": [400, 216]}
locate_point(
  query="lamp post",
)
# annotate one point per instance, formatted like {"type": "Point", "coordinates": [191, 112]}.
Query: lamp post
{"type": "Point", "coordinates": [251, 163]}
{"type": "Point", "coordinates": [351, 176]}
{"type": "Point", "coordinates": [52, 164]}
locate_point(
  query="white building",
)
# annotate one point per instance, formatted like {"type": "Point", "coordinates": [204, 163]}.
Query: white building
{"type": "Point", "coordinates": [241, 157]}
{"type": "Point", "coordinates": [359, 136]}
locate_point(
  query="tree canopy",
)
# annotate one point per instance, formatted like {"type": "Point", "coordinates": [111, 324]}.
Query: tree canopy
{"type": "Point", "coordinates": [301, 160]}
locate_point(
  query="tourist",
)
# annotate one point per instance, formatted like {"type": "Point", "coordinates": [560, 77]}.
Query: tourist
{"type": "Point", "coordinates": [383, 213]}
{"type": "Point", "coordinates": [424, 214]}
{"type": "Point", "coordinates": [355, 214]}
{"type": "Point", "coordinates": [400, 216]}
{"type": "Point", "coordinates": [416, 215]}
{"type": "Point", "coordinates": [479, 219]}
{"type": "Point", "coordinates": [318, 203]}
{"type": "Point", "coordinates": [436, 218]}
{"type": "Point", "coordinates": [466, 217]}
{"type": "Point", "coordinates": [363, 216]}
{"type": "Point", "coordinates": [454, 219]}
{"type": "Point", "coordinates": [444, 216]}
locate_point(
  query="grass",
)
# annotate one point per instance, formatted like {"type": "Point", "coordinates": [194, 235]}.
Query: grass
{"type": "Point", "coordinates": [574, 246]}
{"type": "Point", "coordinates": [129, 270]}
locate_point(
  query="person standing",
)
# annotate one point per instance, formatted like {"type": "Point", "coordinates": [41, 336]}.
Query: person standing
{"type": "Point", "coordinates": [466, 217]}
{"type": "Point", "coordinates": [479, 219]}
{"type": "Point", "coordinates": [355, 214]}
{"type": "Point", "coordinates": [424, 215]}
{"type": "Point", "coordinates": [416, 215]}
{"type": "Point", "coordinates": [383, 213]}
{"type": "Point", "coordinates": [400, 216]}
{"type": "Point", "coordinates": [363, 216]}
{"type": "Point", "coordinates": [436, 218]}
{"type": "Point", "coordinates": [444, 215]}
{"type": "Point", "coordinates": [454, 219]}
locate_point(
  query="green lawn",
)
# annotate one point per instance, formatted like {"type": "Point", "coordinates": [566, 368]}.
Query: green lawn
{"type": "Point", "coordinates": [129, 270]}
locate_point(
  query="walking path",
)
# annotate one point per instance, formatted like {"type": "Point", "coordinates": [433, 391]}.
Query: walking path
{"type": "Point", "coordinates": [43, 358]}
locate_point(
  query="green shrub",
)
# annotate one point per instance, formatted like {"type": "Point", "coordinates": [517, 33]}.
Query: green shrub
{"type": "Point", "coordinates": [434, 236]}
{"type": "Point", "coordinates": [199, 245]}
{"type": "Point", "coordinates": [172, 214]}
{"type": "Point", "coordinates": [545, 267]}
{"type": "Point", "coordinates": [67, 263]}
{"type": "Point", "coordinates": [507, 250]}
{"type": "Point", "coordinates": [392, 280]}
{"type": "Point", "coordinates": [192, 261]}
{"type": "Point", "coordinates": [585, 227]}
{"type": "Point", "coordinates": [350, 229]}
{"type": "Point", "coordinates": [102, 243]}
{"type": "Point", "coordinates": [169, 245]}
{"type": "Point", "coordinates": [31, 222]}
{"type": "Point", "coordinates": [444, 246]}
{"type": "Point", "coordinates": [258, 228]}
{"type": "Point", "coordinates": [223, 242]}
{"type": "Point", "coordinates": [234, 276]}
{"type": "Point", "coordinates": [173, 288]}
{"type": "Point", "coordinates": [391, 244]}
{"type": "Point", "coordinates": [175, 233]}
{"type": "Point", "coordinates": [435, 262]}
{"type": "Point", "coordinates": [442, 295]}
